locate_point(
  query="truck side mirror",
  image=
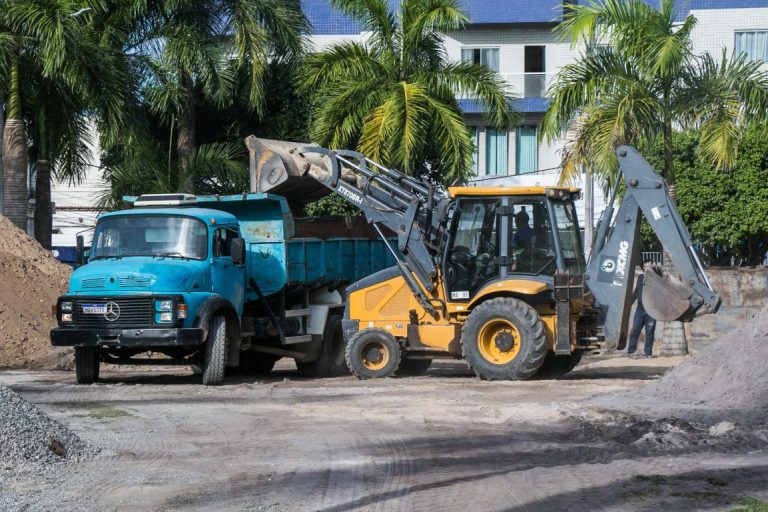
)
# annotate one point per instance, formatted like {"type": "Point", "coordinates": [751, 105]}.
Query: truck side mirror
{"type": "Point", "coordinates": [238, 251]}
{"type": "Point", "coordinates": [81, 259]}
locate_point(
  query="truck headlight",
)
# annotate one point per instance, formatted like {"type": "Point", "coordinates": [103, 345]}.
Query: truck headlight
{"type": "Point", "coordinates": [163, 318]}
{"type": "Point", "coordinates": [163, 305]}
{"type": "Point", "coordinates": [66, 318]}
{"type": "Point", "coordinates": [66, 307]}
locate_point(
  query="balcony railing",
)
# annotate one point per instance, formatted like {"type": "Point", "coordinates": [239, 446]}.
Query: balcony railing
{"type": "Point", "coordinates": [528, 85]}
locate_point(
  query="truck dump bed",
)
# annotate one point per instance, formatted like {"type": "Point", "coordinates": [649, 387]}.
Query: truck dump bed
{"type": "Point", "coordinates": [277, 259]}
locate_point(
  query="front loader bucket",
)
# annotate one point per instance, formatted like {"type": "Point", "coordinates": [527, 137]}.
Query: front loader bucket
{"type": "Point", "coordinates": [277, 167]}
{"type": "Point", "coordinates": [666, 298]}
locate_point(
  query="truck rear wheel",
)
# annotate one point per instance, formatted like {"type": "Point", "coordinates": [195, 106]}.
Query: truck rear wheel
{"type": "Point", "coordinates": [373, 353]}
{"type": "Point", "coordinates": [86, 365]}
{"type": "Point", "coordinates": [555, 366]}
{"type": "Point", "coordinates": [215, 352]}
{"type": "Point", "coordinates": [413, 367]}
{"type": "Point", "coordinates": [330, 362]}
{"type": "Point", "coordinates": [504, 339]}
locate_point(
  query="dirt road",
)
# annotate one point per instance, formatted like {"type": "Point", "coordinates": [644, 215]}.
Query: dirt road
{"type": "Point", "coordinates": [446, 441]}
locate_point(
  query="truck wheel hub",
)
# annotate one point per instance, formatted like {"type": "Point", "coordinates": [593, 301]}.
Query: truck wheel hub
{"type": "Point", "coordinates": [504, 341]}
{"type": "Point", "coordinates": [373, 354]}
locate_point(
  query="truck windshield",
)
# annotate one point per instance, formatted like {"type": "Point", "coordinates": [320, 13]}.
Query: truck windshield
{"type": "Point", "coordinates": [140, 235]}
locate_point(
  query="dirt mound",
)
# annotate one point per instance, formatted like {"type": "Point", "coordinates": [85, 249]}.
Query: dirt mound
{"type": "Point", "coordinates": [27, 434]}
{"type": "Point", "coordinates": [31, 279]}
{"type": "Point", "coordinates": [729, 374]}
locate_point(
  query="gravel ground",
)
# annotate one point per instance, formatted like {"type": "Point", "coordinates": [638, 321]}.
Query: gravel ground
{"type": "Point", "coordinates": [446, 441]}
{"type": "Point", "coordinates": [33, 446]}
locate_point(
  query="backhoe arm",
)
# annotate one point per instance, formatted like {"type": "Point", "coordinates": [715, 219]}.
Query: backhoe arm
{"type": "Point", "coordinates": [415, 211]}
{"type": "Point", "coordinates": [615, 253]}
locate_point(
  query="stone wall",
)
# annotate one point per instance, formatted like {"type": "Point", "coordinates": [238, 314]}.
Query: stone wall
{"type": "Point", "coordinates": [744, 292]}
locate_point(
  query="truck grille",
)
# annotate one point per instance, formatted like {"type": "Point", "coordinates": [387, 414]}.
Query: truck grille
{"type": "Point", "coordinates": [134, 312]}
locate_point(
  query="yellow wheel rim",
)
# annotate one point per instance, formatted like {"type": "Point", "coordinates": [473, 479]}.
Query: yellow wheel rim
{"type": "Point", "coordinates": [375, 355]}
{"type": "Point", "coordinates": [499, 341]}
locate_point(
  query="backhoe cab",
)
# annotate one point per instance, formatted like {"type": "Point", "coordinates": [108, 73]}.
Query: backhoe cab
{"type": "Point", "coordinates": [495, 276]}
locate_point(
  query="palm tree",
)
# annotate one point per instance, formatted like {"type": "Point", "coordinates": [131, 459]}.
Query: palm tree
{"type": "Point", "coordinates": [188, 51]}
{"type": "Point", "coordinates": [148, 167]}
{"type": "Point", "coordinates": [644, 81]}
{"type": "Point", "coordinates": [394, 97]}
{"type": "Point", "coordinates": [55, 74]}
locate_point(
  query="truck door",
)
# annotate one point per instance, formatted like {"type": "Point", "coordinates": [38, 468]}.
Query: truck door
{"type": "Point", "coordinates": [228, 279]}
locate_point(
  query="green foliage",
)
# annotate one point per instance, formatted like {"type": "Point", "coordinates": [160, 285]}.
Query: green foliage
{"type": "Point", "coordinates": [143, 168]}
{"type": "Point", "coordinates": [644, 80]}
{"type": "Point", "coordinates": [394, 97]}
{"type": "Point", "coordinates": [752, 505]}
{"type": "Point", "coordinates": [726, 212]}
{"type": "Point", "coordinates": [331, 205]}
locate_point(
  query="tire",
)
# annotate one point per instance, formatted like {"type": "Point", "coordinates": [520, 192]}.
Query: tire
{"type": "Point", "coordinates": [504, 339]}
{"type": "Point", "coordinates": [413, 367]}
{"type": "Point", "coordinates": [215, 356]}
{"type": "Point", "coordinates": [86, 365]}
{"type": "Point", "coordinates": [196, 369]}
{"type": "Point", "coordinates": [330, 362]}
{"type": "Point", "coordinates": [256, 363]}
{"type": "Point", "coordinates": [373, 354]}
{"type": "Point", "coordinates": [555, 367]}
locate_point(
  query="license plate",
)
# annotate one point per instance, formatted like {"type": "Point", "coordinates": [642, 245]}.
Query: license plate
{"type": "Point", "coordinates": [94, 309]}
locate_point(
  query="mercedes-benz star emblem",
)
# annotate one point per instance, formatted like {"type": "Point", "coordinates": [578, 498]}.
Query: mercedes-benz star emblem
{"type": "Point", "coordinates": [111, 311]}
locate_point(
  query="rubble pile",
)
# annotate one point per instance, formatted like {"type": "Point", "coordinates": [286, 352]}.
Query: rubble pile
{"type": "Point", "coordinates": [31, 280]}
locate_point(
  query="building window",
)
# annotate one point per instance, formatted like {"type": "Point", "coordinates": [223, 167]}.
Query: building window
{"type": "Point", "coordinates": [496, 152]}
{"type": "Point", "coordinates": [488, 57]}
{"type": "Point", "coordinates": [535, 72]}
{"type": "Point", "coordinates": [754, 43]}
{"type": "Point", "coordinates": [527, 150]}
{"type": "Point", "coordinates": [475, 150]}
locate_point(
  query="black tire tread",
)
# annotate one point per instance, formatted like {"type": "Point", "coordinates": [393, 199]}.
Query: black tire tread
{"type": "Point", "coordinates": [86, 365]}
{"type": "Point", "coordinates": [350, 359]}
{"type": "Point", "coordinates": [326, 365]}
{"type": "Point", "coordinates": [215, 352]}
{"type": "Point", "coordinates": [531, 327]}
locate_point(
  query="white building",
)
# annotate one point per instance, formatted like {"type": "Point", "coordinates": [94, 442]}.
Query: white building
{"type": "Point", "coordinates": [515, 38]}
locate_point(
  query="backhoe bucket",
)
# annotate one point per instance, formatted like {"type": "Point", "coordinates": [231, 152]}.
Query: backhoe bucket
{"type": "Point", "coordinates": [278, 168]}
{"type": "Point", "coordinates": [665, 298]}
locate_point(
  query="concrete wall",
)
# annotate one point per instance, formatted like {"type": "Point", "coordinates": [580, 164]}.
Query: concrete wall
{"type": "Point", "coordinates": [744, 292]}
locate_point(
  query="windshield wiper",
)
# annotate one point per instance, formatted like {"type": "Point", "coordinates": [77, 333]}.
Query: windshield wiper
{"type": "Point", "coordinates": [173, 254]}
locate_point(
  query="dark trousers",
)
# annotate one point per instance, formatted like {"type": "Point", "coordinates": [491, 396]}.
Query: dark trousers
{"type": "Point", "coordinates": [640, 320]}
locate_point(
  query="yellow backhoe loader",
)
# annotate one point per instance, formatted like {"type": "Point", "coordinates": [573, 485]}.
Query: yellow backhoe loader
{"type": "Point", "coordinates": [493, 275]}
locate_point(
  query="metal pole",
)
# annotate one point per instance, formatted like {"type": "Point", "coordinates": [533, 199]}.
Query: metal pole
{"type": "Point", "coordinates": [589, 211]}
{"type": "Point", "coordinates": [2, 173]}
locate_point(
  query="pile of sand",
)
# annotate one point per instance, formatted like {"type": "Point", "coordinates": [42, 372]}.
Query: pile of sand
{"type": "Point", "coordinates": [31, 280]}
{"type": "Point", "coordinates": [730, 374]}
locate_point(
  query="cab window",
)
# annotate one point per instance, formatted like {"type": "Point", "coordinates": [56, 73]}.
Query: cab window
{"type": "Point", "coordinates": [222, 242]}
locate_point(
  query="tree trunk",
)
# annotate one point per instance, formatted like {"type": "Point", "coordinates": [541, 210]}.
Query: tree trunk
{"type": "Point", "coordinates": [43, 206]}
{"type": "Point", "coordinates": [669, 165]}
{"type": "Point", "coordinates": [185, 139]}
{"type": "Point", "coordinates": [15, 157]}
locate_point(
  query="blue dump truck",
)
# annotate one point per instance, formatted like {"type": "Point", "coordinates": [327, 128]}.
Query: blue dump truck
{"type": "Point", "coordinates": [217, 283]}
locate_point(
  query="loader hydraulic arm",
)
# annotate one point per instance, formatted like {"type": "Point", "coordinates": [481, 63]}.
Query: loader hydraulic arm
{"type": "Point", "coordinates": [415, 211]}
{"type": "Point", "coordinates": [616, 252]}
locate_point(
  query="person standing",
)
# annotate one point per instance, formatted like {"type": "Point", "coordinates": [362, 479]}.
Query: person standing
{"type": "Point", "coordinates": [641, 320]}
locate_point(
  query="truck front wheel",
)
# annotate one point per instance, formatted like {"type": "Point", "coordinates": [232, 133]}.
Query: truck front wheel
{"type": "Point", "coordinates": [373, 353]}
{"type": "Point", "coordinates": [215, 356]}
{"type": "Point", "coordinates": [86, 364]}
{"type": "Point", "coordinates": [504, 339]}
